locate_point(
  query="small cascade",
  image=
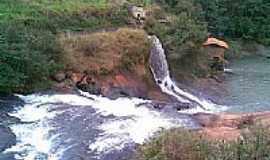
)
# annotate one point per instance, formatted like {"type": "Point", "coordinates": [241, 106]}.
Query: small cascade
{"type": "Point", "coordinates": [160, 71]}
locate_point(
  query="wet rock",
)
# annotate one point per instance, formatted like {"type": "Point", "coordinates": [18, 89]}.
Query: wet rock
{"type": "Point", "coordinates": [7, 138]}
{"type": "Point", "coordinates": [115, 92]}
{"type": "Point", "coordinates": [5, 119]}
{"type": "Point", "coordinates": [167, 106]}
{"type": "Point", "coordinates": [59, 77]}
{"type": "Point", "coordinates": [91, 88]}
{"type": "Point", "coordinates": [76, 77]}
{"type": "Point", "coordinates": [90, 85]}
{"type": "Point", "coordinates": [183, 106]}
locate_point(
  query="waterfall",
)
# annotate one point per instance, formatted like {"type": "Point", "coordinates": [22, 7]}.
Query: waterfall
{"type": "Point", "coordinates": [160, 70]}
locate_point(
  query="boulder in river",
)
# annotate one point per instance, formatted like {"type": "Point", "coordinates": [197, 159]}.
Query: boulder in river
{"type": "Point", "coordinates": [87, 84]}
{"type": "Point", "coordinates": [7, 138]}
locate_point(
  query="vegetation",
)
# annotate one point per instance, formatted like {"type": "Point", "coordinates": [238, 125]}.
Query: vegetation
{"type": "Point", "coordinates": [105, 52]}
{"type": "Point", "coordinates": [28, 31]}
{"type": "Point", "coordinates": [182, 34]}
{"type": "Point", "coordinates": [181, 144]}
{"type": "Point", "coordinates": [246, 20]}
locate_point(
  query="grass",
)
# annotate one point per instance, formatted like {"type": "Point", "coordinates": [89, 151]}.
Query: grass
{"type": "Point", "coordinates": [179, 144]}
{"type": "Point", "coordinates": [62, 15]}
{"type": "Point", "coordinates": [105, 52]}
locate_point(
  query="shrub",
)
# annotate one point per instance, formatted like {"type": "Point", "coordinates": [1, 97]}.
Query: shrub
{"type": "Point", "coordinates": [179, 144]}
{"type": "Point", "coordinates": [25, 58]}
{"type": "Point", "coordinates": [246, 20]}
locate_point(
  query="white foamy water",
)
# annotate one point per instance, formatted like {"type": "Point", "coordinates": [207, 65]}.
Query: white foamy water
{"type": "Point", "coordinates": [228, 70]}
{"type": "Point", "coordinates": [141, 123]}
{"type": "Point", "coordinates": [132, 124]}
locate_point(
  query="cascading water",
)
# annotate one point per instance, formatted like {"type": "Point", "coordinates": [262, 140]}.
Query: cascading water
{"type": "Point", "coordinates": [160, 71]}
{"type": "Point", "coordinates": [82, 126]}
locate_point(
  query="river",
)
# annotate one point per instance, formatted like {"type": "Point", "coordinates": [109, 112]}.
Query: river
{"type": "Point", "coordinates": [78, 126]}
{"type": "Point", "coordinates": [249, 85]}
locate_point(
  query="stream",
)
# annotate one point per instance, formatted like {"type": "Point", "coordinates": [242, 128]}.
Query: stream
{"type": "Point", "coordinates": [249, 85]}
{"type": "Point", "coordinates": [51, 125]}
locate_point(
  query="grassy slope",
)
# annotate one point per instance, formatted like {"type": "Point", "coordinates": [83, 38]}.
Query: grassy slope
{"type": "Point", "coordinates": [105, 52]}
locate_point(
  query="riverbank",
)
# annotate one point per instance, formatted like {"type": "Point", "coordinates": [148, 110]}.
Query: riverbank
{"type": "Point", "coordinates": [212, 142]}
{"type": "Point", "coordinates": [230, 126]}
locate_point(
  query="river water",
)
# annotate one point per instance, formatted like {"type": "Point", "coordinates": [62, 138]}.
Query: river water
{"type": "Point", "coordinates": [79, 126]}
{"type": "Point", "coordinates": [75, 126]}
{"type": "Point", "coordinates": [249, 85]}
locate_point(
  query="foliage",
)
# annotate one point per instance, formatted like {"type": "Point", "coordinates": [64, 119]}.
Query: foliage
{"type": "Point", "coordinates": [247, 19]}
{"type": "Point", "coordinates": [28, 31]}
{"type": "Point", "coordinates": [24, 58]}
{"type": "Point", "coordinates": [141, 2]}
{"type": "Point", "coordinates": [178, 144]}
{"type": "Point", "coordinates": [182, 34]}
{"type": "Point", "coordinates": [29, 52]}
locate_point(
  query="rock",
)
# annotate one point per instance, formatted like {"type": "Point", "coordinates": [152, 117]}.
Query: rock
{"type": "Point", "coordinates": [183, 106]}
{"type": "Point", "coordinates": [229, 126]}
{"type": "Point", "coordinates": [59, 77]}
{"type": "Point", "coordinates": [76, 77]}
{"type": "Point", "coordinates": [7, 138]}
{"type": "Point", "coordinates": [137, 12]}
{"type": "Point", "coordinates": [122, 85]}
{"type": "Point", "coordinates": [91, 88]}
{"type": "Point", "coordinates": [112, 92]}
{"type": "Point", "coordinates": [205, 119]}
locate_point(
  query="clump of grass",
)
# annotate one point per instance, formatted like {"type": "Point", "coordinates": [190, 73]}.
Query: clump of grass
{"type": "Point", "coordinates": [179, 144]}
{"type": "Point", "coordinates": [105, 52]}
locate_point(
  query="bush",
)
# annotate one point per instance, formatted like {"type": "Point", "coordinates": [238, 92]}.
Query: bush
{"type": "Point", "coordinates": [246, 20]}
{"type": "Point", "coordinates": [179, 144]}
{"type": "Point", "coordinates": [25, 58]}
